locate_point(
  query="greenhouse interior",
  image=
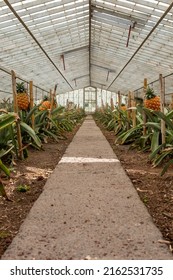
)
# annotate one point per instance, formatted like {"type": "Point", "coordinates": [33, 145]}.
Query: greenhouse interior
{"type": "Point", "coordinates": [79, 75]}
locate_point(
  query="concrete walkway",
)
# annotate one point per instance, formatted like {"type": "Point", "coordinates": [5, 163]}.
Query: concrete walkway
{"type": "Point", "coordinates": [89, 207]}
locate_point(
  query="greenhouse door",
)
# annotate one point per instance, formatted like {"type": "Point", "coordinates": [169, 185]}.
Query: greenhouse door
{"type": "Point", "coordinates": [90, 100]}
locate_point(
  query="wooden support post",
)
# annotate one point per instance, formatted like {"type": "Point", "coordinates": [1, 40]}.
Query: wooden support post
{"type": "Point", "coordinates": [119, 100]}
{"type": "Point", "coordinates": [162, 105]}
{"type": "Point", "coordinates": [112, 104]}
{"type": "Point", "coordinates": [144, 115]}
{"type": "Point", "coordinates": [53, 96]}
{"type": "Point", "coordinates": [31, 102]}
{"type": "Point", "coordinates": [119, 107]}
{"type": "Point", "coordinates": [128, 111]}
{"type": "Point", "coordinates": [51, 105]}
{"type": "Point", "coordinates": [19, 137]}
{"type": "Point", "coordinates": [51, 99]}
{"type": "Point", "coordinates": [67, 103]}
{"type": "Point", "coordinates": [133, 104]}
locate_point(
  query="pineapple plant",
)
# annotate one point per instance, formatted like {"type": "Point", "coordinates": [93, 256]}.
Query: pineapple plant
{"type": "Point", "coordinates": [45, 104]}
{"type": "Point", "coordinates": [152, 101]}
{"type": "Point", "coordinates": [22, 96]}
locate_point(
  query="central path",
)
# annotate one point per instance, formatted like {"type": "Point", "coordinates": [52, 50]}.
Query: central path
{"type": "Point", "coordinates": [89, 207]}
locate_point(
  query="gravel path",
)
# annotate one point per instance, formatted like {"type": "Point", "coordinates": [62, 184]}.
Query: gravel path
{"type": "Point", "coordinates": [88, 209]}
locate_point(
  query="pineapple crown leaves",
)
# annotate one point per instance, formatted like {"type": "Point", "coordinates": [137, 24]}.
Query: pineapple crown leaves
{"type": "Point", "coordinates": [149, 93]}
{"type": "Point", "coordinates": [20, 87]}
{"type": "Point", "coordinates": [45, 98]}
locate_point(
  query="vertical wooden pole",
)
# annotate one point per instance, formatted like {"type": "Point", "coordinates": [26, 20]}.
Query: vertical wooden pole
{"type": "Point", "coordinates": [144, 115]}
{"type": "Point", "coordinates": [128, 111]}
{"type": "Point", "coordinates": [67, 104]}
{"type": "Point", "coordinates": [119, 100]}
{"type": "Point", "coordinates": [31, 101]}
{"type": "Point", "coordinates": [119, 107]}
{"type": "Point", "coordinates": [133, 103]}
{"type": "Point", "coordinates": [51, 99]}
{"type": "Point", "coordinates": [53, 96]}
{"type": "Point", "coordinates": [19, 137]}
{"type": "Point", "coordinates": [49, 110]}
{"type": "Point", "coordinates": [112, 104]}
{"type": "Point", "coordinates": [162, 105]}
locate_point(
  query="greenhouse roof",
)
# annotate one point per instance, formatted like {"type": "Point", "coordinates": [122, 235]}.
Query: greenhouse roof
{"type": "Point", "coordinates": [111, 44]}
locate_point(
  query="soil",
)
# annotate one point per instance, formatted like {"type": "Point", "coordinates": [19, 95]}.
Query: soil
{"type": "Point", "coordinates": [155, 191]}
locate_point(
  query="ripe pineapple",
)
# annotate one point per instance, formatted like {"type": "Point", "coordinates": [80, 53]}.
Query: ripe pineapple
{"type": "Point", "coordinates": [22, 96]}
{"type": "Point", "coordinates": [152, 101]}
{"type": "Point", "coordinates": [123, 107]}
{"type": "Point", "coordinates": [45, 104]}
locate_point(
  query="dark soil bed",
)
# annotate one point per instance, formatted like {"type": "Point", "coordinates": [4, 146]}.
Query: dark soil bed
{"type": "Point", "coordinates": [33, 173]}
{"type": "Point", "coordinates": [155, 191]}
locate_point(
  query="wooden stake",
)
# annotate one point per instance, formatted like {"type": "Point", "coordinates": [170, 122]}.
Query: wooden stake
{"type": "Point", "coordinates": [133, 104]}
{"type": "Point", "coordinates": [112, 104]}
{"type": "Point", "coordinates": [19, 137]}
{"type": "Point", "coordinates": [119, 106]}
{"type": "Point", "coordinates": [128, 111]}
{"type": "Point", "coordinates": [144, 115]}
{"type": "Point", "coordinates": [119, 100]}
{"type": "Point", "coordinates": [162, 105]}
{"type": "Point", "coordinates": [49, 110]}
{"type": "Point", "coordinates": [53, 96]}
{"type": "Point", "coordinates": [145, 83]}
{"type": "Point", "coordinates": [31, 102]}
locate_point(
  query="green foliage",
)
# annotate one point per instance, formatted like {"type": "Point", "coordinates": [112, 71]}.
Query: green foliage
{"type": "Point", "coordinates": [118, 121]}
{"type": "Point", "coordinates": [23, 188]}
{"type": "Point", "coordinates": [5, 170]}
{"type": "Point", "coordinates": [20, 87]}
{"type": "Point", "coordinates": [4, 234]}
{"type": "Point", "coordinates": [46, 125]}
{"type": "Point", "coordinates": [150, 93]}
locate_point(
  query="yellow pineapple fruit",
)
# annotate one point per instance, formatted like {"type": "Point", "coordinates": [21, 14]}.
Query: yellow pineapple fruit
{"type": "Point", "coordinates": [45, 104]}
{"type": "Point", "coordinates": [152, 101]}
{"type": "Point", "coordinates": [22, 96]}
{"type": "Point", "coordinates": [123, 107]}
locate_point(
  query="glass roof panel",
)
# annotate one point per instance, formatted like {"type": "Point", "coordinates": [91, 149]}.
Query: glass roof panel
{"type": "Point", "coordinates": [82, 42]}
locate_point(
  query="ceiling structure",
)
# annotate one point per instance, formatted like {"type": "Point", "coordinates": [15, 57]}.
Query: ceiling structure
{"type": "Point", "coordinates": [112, 44]}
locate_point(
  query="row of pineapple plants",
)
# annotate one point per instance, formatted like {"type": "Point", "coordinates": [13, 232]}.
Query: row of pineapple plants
{"type": "Point", "coordinates": [117, 120]}
{"type": "Point", "coordinates": [48, 123]}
